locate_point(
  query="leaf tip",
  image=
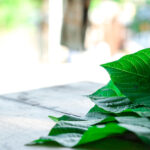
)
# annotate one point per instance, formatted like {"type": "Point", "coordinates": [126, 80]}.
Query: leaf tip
{"type": "Point", "coordinates": [55, 119]}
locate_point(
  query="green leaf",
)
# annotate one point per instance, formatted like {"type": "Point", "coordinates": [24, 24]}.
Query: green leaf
{"type": "Point", "coordinates": [101, 131]}
{"type": "Point", "coordinates": [71, 138]}
{"type": "Point", "coordinates": [113, 104]}
{"type": "Point", "coordinates": [67, 118]}
{"type": "Point", "coordinates": [123, 105]}
{"type": "Point", "coordinates": [139, 126]}
{"type": "Point", "coordinates": [131, 75]}
{"type": "Point", "coordinates": [109, 90]}
{"type": "Point", "coordinates": [97, 113]}
{"type": "Point", "coordinates": [141, 111]}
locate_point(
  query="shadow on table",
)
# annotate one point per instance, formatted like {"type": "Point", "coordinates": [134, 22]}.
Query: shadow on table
{"type": "Point", "coordinates": [106, 144]}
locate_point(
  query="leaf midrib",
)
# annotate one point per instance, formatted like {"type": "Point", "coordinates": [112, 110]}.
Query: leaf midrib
{"type": "Point", "coordinates": [125, 71]}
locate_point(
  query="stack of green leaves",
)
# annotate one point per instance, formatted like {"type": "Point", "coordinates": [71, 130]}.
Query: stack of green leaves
{"type": "Point", "coordinates": [121, 107]}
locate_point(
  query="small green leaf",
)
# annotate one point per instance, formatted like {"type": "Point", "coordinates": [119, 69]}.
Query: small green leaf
{"type": "Point", "coordinates": [110, 90]}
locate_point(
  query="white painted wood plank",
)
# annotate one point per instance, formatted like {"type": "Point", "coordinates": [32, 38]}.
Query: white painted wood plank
{"type": "Point", "coordinates": [24, 116]}
{"type": "Point", "coordinates": [66, 98]}
{"type": "Point", "coordinates": [20, 124]}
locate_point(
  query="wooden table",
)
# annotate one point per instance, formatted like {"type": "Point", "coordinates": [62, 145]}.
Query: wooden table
{"type": "Point", "coordinates": [24, 117]}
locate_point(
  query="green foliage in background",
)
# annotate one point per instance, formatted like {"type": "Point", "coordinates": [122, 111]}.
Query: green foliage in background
{"type": "Point", "coordinates": [16, 12]}
{"type": "Point", "coordinates": [96, 3]}
{"type": "Point", "coordinates": [122, 108]}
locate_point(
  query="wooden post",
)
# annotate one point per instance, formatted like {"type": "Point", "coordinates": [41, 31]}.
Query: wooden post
{"type": "Point", "coordinates": [74, 23]}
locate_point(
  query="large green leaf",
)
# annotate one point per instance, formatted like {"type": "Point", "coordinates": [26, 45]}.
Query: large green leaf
{"type": "Point", "coordinates": [131, 74]}
{"type": "Point", "coordinates": [68, 136]}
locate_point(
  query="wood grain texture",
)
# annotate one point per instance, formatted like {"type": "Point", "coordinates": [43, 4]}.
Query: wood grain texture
{"type": "Point", "coordinates": [24, 116]}
{"type": "Point", "coordinates": [65, 98]}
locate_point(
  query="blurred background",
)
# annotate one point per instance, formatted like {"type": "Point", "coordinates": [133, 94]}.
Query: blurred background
{"type": "Point", "coordinates": [51, 42]}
